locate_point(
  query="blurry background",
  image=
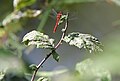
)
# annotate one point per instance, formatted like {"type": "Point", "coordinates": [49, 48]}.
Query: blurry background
{"type": "Point", "coordinates": [100, 18]}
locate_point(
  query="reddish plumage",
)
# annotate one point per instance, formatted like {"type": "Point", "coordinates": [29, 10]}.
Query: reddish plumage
{"type": "Point", "coordinates": [57, 21]}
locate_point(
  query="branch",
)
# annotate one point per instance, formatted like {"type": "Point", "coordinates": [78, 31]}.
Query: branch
{"type": "Point", "coordinates": [58, 44]}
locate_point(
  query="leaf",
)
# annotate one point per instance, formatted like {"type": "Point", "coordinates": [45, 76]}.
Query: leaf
{"type": "Point", "coordinates": [33, 66]}
{"type": "Point", "coordinates": [43, 79]}
{"type": "Point", "coordinates": [55, 56]}
{"type": "Point", "coordinates": [87, 68]}
{"type": "Point", "coordinates": [2, 75]}
{"type": "Point", "coordinates": [62, 19]}
{"type": "Point", "coordinates": [9, 62]}
{"type": "Point", "coordinates": [31, 13]}
{"type": "Point", "coordinates": [52, 73]}
{"type": "Point", "coordinates": [13, 44]}
{"type": "Point", "coordinates": [11, 17]}
{"type": "Point", "coordinates": [17, 15]}
{"type": "Point", "coordinates": [39, 39]}
{"type": "Point", "coordinates": [19, 4]}
{"type": "Point", "coordinates": [83, 41]}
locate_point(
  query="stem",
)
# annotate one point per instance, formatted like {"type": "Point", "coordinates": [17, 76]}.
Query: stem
{"type": "Point", "coordinates": [58, 44]}
{"type": "Point", "coordinates": [63, 35]}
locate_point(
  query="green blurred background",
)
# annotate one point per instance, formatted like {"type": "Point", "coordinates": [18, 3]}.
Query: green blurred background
{"type": "Point", "coordinates": [100, 18]}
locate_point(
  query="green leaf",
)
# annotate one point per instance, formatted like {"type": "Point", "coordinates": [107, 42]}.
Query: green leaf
{"type": "Point", "coordinates": [14, 45]}
{"type": "Point", "coordinates": [88, 68]}
{"type": "Point", "coordinates": [17, 15]}
{"type": "Point", "coordinates": [33, 66]}
{"type": "Point", "coordinates": [55, 56]}
{"type": "Point", "coordinates": [83, 41]}
{"type": "Point", "coordinates": [19, 4]}
{"type": "Point", "coordinates": [31, 13]}
{"type": "Point", "coordinates": [43, 79]}
{"type": "Point", "coordinates": [14, 16]}
{"type": "Point", "coordinates": [62, 19]}
{"type": "Point", "coordinates": [39, 39]}
{"type": "Point", "coordinates": [2, 75]}
{"type": "Point", "coordinates": [52, 73]}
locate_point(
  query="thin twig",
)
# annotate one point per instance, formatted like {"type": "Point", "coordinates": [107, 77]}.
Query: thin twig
{"type": "Point", "coordinates": [58, 44]}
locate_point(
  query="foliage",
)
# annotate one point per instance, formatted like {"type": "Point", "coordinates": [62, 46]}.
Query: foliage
{"type": "Point", "coordinates": [82, 70]}
{"type": "Point", "coordinates": [43, 79]}
{"type": "Point", "coordinates": [11, 49]}
{"type": "Point", "coordinates": [56, 56]}
{"type": "Point", "coordinates": [80, 40]}
{"type": "Point", "coordinates": [88, 69]}
{"type": "Point", "coordinates": [83, 41]}
{"type": "Point", "coordinates": [15, 16]}
{"type": "Point", "coordinates": [38, 39]}
{"type": "Point", "coordinates": [19, 4]}
{"type": "Point", "coordinates": [2, 75]}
